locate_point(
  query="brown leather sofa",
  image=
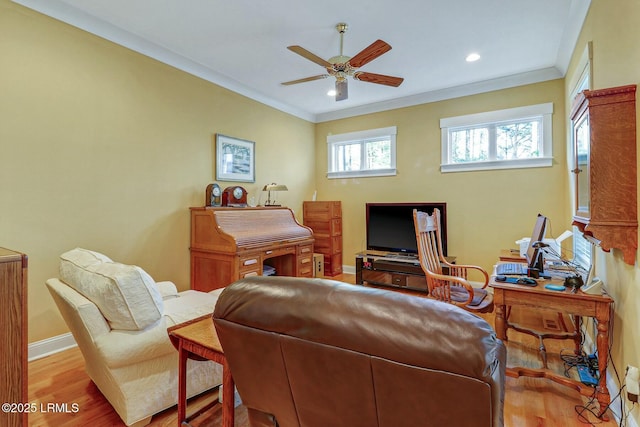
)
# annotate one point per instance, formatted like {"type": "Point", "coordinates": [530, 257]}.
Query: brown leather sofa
{"type": "Point", "coordinates": [322, 353]}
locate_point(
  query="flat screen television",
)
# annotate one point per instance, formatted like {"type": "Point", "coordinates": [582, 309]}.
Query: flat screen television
{"type": "Point", "coordinates": [390, 226]}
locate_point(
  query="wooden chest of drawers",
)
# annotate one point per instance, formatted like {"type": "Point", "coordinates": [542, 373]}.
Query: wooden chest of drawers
{"type": "Point", "coordinates": [325, 219]}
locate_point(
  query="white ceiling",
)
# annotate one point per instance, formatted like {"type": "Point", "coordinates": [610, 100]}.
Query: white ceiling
{"type": "Point", "coordinates": [241, 44]}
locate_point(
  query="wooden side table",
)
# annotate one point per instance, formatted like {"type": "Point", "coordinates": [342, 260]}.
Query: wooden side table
{"type": "Point", "coordinates": [197, 340]}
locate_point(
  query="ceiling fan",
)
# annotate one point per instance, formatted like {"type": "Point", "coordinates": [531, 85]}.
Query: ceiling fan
{"type": "Point", "coordinates": [342, 66]}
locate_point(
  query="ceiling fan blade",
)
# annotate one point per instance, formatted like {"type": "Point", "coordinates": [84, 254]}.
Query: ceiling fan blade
{"type": "Point", "coordinates": [306, 79]}
{"type": "Point", "coordinates": [380, 79]}
{"type": "Point", "coordinates": [369, 53]}
{"type": "Point", "coordinates": [310, 56]}
{"type": "Point", "coordinates": [342, 90]}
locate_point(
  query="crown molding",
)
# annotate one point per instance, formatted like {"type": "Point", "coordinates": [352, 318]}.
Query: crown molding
{"type": "Point", "coordinates": [577, 14]}
{"type": "Point", "coordinates": [444, 94]}
{"type": "Point", "coordinates": [62, 12]}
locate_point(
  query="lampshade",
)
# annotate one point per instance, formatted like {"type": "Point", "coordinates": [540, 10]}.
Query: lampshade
{"type": "Point", "coordinates": [275, 187]}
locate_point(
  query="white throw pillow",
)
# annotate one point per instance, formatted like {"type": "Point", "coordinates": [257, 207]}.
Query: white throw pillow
{"type": "Point", "coordinates": [125, 294]}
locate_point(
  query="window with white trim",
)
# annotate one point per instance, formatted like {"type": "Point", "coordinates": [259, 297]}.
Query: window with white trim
{"type": "Point", "coordinates": [513, 138]}
{"type": "Point", "coordinates": [364, 153]}
{"type": "Point", "coordinates": [583, 249]}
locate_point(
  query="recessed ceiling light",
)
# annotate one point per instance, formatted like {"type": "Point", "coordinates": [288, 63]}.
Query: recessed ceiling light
{"type": "Point", "coordinates": [472, 57]}
{"type": "Point", "coordinates": [332, 92]}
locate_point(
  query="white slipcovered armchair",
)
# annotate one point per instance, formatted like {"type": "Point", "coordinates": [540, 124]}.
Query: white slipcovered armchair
{"type": "Point", "coordinates": [119, 316]}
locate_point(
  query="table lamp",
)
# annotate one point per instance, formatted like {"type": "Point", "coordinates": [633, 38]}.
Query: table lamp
{"type": "Point", "coordinates": [273, 187]}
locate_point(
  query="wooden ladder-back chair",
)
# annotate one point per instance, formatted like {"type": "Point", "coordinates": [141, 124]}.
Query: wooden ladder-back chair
{"type": "Point", "coordinates": [453, 288]}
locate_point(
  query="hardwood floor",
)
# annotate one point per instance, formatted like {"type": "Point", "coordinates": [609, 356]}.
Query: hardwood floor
{"type": "Point", "coordinates": [61, 379]}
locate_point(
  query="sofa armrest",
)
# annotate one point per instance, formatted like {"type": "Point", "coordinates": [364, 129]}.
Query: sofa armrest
{"type": "Point", "coordinates": [167, 289]}
{"type": "Point", "coordinates": [121, 348]}
{"type": "Point", "coordinates": [81, 315]}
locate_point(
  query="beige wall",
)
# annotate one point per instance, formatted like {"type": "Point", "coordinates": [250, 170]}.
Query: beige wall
{"type": "Point", "coordinates": [481, 219]}
{"type": "Point", "coordinates": [614, 33]}
{"type": "Point", "coordinates": [106, 149]}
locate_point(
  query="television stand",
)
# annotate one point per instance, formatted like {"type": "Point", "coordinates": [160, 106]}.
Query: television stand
{"type": "Point", "coordinates": [395, 269]}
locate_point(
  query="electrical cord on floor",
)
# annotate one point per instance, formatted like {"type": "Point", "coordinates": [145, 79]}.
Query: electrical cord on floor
{"type": "Point", "coordinates": [574, 360]}
{"type": "Point", "coordinates": [592, 406]}
{"type": "Point", "coordinates": [571, 360]}
{"type": "Point", "coordinates": [623, 413]}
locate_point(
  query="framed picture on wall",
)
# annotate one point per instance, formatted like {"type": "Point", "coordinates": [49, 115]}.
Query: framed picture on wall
{"type": "Point", "coordinates": [235, 159]}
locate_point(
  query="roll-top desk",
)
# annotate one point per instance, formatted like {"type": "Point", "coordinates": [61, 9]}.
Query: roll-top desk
{"type": "Point", "coordinates": [228, 244]}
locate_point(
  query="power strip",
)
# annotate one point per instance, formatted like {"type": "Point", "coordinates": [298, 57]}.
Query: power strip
{"type": "Point", "coordinates": [586, 376]}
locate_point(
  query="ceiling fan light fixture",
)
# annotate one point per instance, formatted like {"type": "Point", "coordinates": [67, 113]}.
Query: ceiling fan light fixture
{"type": "Point", "coordinates": [472, 57]}
{"type": "Point", "coordinates": [342, 90]}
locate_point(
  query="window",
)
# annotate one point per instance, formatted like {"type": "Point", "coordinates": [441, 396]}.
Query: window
{"type": "Point", "coordinates": [583, 249]}
{"type": "Point", "coordinates": [365, 153]}
{"type": "Point", "coordinates": [514, 138]}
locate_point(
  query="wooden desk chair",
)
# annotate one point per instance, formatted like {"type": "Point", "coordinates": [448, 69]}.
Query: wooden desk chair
{"type": "Point", "coordinates": [453, 288]}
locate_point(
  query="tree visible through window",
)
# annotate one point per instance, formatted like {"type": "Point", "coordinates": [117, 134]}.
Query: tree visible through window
{"type": "Point", "coordinates": [518, 137]}
{"type": "Point", "coordinates": [469, 145]}
{"type": "Point", "coordinates": [365, 153]}
{"type": "Point", "coordinates": [519, 140]}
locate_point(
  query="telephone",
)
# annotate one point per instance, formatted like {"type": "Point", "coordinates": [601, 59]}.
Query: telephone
{"type": "Point", "coordinates": [593, 288]}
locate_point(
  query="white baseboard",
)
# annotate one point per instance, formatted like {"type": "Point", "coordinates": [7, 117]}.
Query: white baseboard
{"type": "Point", "coordinates": [612, 386]}
{"type": "Point", "coordinates": [349, 269]}
{"type": "Point", "coordinates": [49, 346]}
